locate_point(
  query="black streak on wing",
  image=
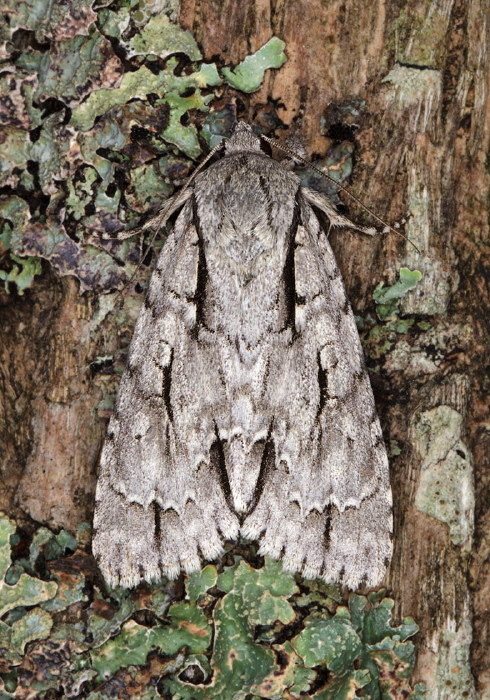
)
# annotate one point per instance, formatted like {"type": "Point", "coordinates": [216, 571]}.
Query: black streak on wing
{"type": "Point", "coordinates": [289, 274]}
{"type": "Point", "coordinates": [158, 531]}
{"type": "Point", "coordinates": [217, 459]}
{"type": "Point", "coordinates": [167, 380]}
{"type": "Point", "coordinates": [200, 295]}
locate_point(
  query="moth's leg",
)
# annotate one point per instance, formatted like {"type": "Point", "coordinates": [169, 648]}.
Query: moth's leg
{"type": "Point", "coordinates": [322, 202]}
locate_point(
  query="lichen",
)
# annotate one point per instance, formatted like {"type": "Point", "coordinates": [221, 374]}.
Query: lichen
{"type": "Point", "coordinates": [419, 34]}
{"type": "Point", "coordinates": [446, 489]}
{"type": "Point", "coordinates": [161, 37]}
{"type": "Point", "coordinates": [242, 631]}
{"type": "Point", "coordinates": [83, 133]}
{"type": "Point", "coordinates": [387, 299]}
{"type": "Point", "coordinates": [454, 678]}
{"type": "Point", "coordinates": [249, 74]}
{"type": "Point", "coordinates": [26, 591]}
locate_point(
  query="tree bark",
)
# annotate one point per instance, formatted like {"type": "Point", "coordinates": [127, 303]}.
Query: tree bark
{"type": "Point", "coordinates": [421, 153]}
{"type": "Point", "coordinates": [423, 71]}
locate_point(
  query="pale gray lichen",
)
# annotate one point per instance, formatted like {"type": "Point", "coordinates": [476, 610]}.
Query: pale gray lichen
{"type": "Point", "coordinates": [453, 675]}
{"type": "Point", "coordinates": [446, 488]}
{"type": "Point", "coordinates": [415, 92]}
{"type": "Point", "coordinates": [414, 98]}
{"type": "Point", "coordinates": [424, 354]}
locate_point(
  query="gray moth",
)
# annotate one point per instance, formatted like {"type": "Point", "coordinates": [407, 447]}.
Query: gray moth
{"type": "Point", "coordinates": [245, 408]}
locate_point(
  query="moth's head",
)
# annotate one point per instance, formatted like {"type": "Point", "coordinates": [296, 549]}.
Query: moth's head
{"type": "Point", "coordinates": [243, 139]}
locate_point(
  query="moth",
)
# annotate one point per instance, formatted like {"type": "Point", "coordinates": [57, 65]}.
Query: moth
{"type": "Point", "coordinates": [245, 408]}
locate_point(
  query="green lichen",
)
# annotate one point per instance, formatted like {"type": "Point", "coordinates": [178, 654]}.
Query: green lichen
{"type": "Point", "coordinates": [75, 68]}
{"type": "Point", "coordinates": [387, 299]}
{"type": "Point", "coordinates": [22, 273]}
{"type": "Point", "coordinates": [346, 687]}
{"type": "Point", "coordinates": [387, 654]}
{"type": "Point", "coordinates": [249, 74]}
{"type": "Point", "coordinates": [199, 583]}
{"type": "Point", "coordinates": [161, 37]}
{"type": "Point", "coordinates": [47, 19]}
{"type": "Point", "coordinates": [94, 268]}
{"type": "Point", "coordinates": [96, 156]}
{"type": "Point", "coordinates": [106, 135]}
{"type": "Point", "coordinates": [49, 152]}
{"type": "Point", "coordinates": [188, 627]}
{"type": "Point", "coordinates": [371, 617]}
{"type": "Point", "coordinates": [50, 546]}
{"type": "Point", "coordinates": [218, 125]}
{"type": "Point", "coordinates": [139, 84]}
{"type": "Point", "coordinates": [165, 84]}
{"type": "Point", "coordinates": [71, 590]}
{"type": "Point", "coordinates": [338, 165]}
{"type": "Point", "coordinates": [46, 547]}
{"type": "Point", "coordinates": [358, 645]}
{"type": "Point", "coordinates": [134, 85]}
{"type": "Point", "coordinates": [184, 137]}
{"type": "Point", "coordinates": [114, 23]}
{"type": "Point", "coordinates": [253, 597]}
{"type": "Point", "coordinates": [236, 636]}
{"type": "Point", "coordinates": [383, 337]}
{"type": "Point", "coordinates": [147, 189]}
{"type": "Point", "coordinates": [16, 100]}
{"type": "Point", "coordinates": [27, 591]}
{"type": "Point", "coordinates": [328, 642]}
{"type": "Point", "coordinates": [143, 10]}
{"type": "Point", "coordinates": [80, 192]}
{"type": "Point", "coordinates": [16, 149]}
{"type": "Point", "coordinates": [35, 624]}
{"type": "Point", "coordinates": [321, 593]}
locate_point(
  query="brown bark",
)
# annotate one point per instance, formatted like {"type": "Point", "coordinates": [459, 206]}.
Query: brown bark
{"type": "Point", "coordinates": [421, 148]}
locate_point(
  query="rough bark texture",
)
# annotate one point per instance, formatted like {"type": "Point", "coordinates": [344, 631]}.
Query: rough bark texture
{"type": "Point", "coordinates": [422, 68]}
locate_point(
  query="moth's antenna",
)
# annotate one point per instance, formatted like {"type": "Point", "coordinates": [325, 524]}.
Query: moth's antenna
{"type": "Point", "coordinates": [296, 156]}
{"type": "Point", "coordinates": [159, 220]}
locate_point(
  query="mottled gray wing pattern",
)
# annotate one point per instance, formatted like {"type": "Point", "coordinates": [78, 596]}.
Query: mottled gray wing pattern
{"type": "Point", "coordinates": [325, 506]}
{"type": "Point", "coordinates": [159, 502]}
{"type": "Point", "coordinates": [246, 405]}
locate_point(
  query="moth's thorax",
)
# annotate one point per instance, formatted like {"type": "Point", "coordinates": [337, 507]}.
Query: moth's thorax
{"type": "Point", "coordinates": [246, 212]}
{"type": "Point", "coordinates": [246, 205]}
